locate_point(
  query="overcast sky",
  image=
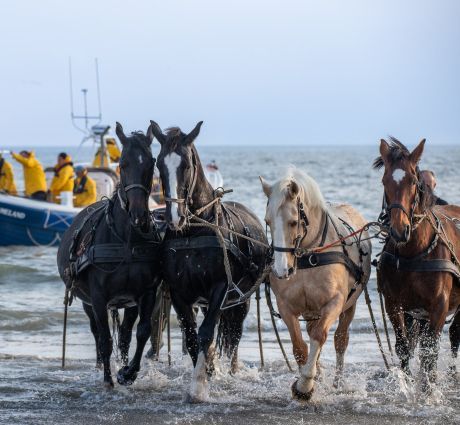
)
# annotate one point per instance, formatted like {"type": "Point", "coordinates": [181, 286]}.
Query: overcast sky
{"type": "Point", "coordinates": [256, 72]}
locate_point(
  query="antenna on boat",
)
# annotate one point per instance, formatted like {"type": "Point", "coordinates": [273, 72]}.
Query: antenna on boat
{"type": "Point", "coordinates": [85, 117]}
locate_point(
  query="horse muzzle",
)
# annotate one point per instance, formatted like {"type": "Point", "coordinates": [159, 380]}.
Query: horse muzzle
{"type": "Point", "coordinates": [401, 237]}
{"type": "Point", "coordinates": [285, 274]}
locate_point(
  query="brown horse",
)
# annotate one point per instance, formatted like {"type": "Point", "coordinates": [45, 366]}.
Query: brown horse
{"type": "Point", "coordinates": [320, 287]}
{"type": "Point", "coordinates": [418, 271]}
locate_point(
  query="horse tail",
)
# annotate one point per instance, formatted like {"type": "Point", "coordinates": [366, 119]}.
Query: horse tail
{"type": "Point", "coordinates": [115, 330]}
{"type": "Point", "coordinates": [223, 340]}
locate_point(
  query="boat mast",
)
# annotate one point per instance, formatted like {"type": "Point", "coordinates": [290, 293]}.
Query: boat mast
{"type": "Point", "coordinates": [90, 133]}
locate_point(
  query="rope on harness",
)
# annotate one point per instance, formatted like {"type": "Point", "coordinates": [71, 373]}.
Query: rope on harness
{"type": "Point", "coordinates": [259, 329]}
{"type": "Point", "coordinates": [64, 331]}
{"type": "Point", "coordinates": [374, 325]}
{"type": "Point", "coordinates": [275, 328]}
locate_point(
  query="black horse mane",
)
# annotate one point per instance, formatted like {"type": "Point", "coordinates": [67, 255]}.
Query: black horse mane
{"type": "Point", "coordinates": [140, 138]}
{"type": "Point", "coordinates": [397, 152]}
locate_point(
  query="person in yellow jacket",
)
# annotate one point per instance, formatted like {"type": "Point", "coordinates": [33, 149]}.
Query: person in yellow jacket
{"type": "Point", "coordinates": [63, 180]}
{"type": "Point", "coordinates": [84, 188]}
{"type": "Point", "coordinates": [112, 154]}
{"type": "Point", "coordinates": [34, 176]}
{"type": "Point", "coordinates": [7, 183]}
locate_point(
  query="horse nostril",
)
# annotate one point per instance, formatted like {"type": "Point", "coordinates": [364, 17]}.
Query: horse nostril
{"type": "Point", "coordinates": [291, 271]}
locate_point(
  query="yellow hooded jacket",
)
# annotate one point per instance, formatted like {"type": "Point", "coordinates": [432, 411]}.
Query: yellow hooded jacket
{"type": "Point", "coordinates": [7, 183]}
{"type": "Point", "coordinates": [97, 159]}
{"type": "Point", "coordinates": [85, 191]}
{"type": "Point", "coordinates": [112, 154]}
{"type": "Point", "coordinates": [34, 176]}
{"type": "Point", "coordinates": [63, 179]}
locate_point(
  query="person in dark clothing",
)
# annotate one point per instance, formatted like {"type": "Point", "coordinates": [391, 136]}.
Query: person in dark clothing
{"type": "Point", "coordinates": [429, 179]}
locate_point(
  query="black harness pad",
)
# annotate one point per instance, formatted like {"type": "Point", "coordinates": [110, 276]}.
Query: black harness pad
{"type": "Point", "coordinates": [202, 242]}
{"type": "Point", "coordinates": [417, 265]}
{"type": "Point", "coordinates": [312, 260]}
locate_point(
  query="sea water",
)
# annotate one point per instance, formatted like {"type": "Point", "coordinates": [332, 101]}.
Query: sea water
{"type": "Point", "coordinates": [34, 389]}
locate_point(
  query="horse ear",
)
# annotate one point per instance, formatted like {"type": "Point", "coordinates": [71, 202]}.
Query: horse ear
{"type": "Point", "coordinates": [149, 134]}
{"type": "Point", "coordinates": [156, 130]}
{"type": "Point", "coordinates": [120, 133]}
{"type": "Point", "coordinates": [293, 189]}
{"type": "Point", "coordinates": [416, 154]}
{"type": "Point", "coordinates": [384, 150]}
{"type": "Point", "coordinates": [266, 187]}
{"type": "Point", "coordinates": [193, 134]}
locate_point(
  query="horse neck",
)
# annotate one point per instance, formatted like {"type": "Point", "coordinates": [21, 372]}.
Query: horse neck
{"type": "Point", "coordinates": [420, 239]}
{"type": "Point", "coordinates": [203, 193]}
{"type": "Point", "coordinates": [315, 228]}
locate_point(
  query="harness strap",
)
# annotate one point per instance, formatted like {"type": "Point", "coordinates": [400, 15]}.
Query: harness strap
{"type": "Point", "coordinates": [313, 260]}
{"type": "Point", "coordinates": [116, 253]}
{"type": "Point", "coordinates": [417, 265]}
{"type": "Point", "coordinates": [200, 242]}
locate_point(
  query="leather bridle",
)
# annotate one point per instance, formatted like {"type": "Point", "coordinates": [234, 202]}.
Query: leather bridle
{"type": "Point", "coordinates": [302, 231]}
{"type": "Point", "coordinates": [411, 216]}
{"type": "Point", "coordinates": [123, 190]}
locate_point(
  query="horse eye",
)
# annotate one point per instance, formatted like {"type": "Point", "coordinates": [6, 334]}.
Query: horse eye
{"type": "Point", "coordinates": [293, 223]}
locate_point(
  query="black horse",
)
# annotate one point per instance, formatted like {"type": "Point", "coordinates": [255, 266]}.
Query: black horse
{"type": "Point", "coordinates": [193, 259]}
{"type": "Point", "coordinates": [108, 257]}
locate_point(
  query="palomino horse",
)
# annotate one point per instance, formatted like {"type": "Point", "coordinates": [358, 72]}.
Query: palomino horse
{"type": "Point", "coordinates": [194, 266]}
{"type": "Point", "coordinates": [108, 257]}
{"type": "Point", "coordinates": [320, 287]}
{"type": "Point", "coordinates": [418, 270]}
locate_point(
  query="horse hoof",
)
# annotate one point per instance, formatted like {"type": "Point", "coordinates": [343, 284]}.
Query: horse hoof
{"type": "Point", "coordinates": [151, 354]}
{"type": "Point", "coordinates": [108, 385]}
{"type": "Point", "coordinates": [193, 399]}
{"type": "Point", "coordinates": [126, 376]}
{"type": "Point", "coordinates": [299, 395]}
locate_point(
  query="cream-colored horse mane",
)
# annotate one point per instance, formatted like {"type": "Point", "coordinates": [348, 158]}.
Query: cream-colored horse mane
{"type": "Point", "coordinates": [309, 192]}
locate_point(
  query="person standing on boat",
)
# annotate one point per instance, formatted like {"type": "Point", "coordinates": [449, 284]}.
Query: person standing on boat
{"type": "Point", "coordinates": [7, 183]}
{"type": "Point", "coordinates": [84, 188]}
{"type": "Point", "coordinates": [34, 176]}
{"type": "Point", "coordinates": [112, 154]}
{"type": "Point", "coordinates": [63, 177]}
{"type": "Point", "coordinates": [429, 179]}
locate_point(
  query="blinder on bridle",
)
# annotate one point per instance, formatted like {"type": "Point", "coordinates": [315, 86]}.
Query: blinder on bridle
{"type": "Point", "coordinates": [302, 223]}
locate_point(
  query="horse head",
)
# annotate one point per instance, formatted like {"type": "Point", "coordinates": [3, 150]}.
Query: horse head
{"type": "Point", "coordinates": [293, 202]}
{"type": "Point", "coordinates": [403, 188]}
{"type": "Point", "coordinates": [136, 173]}
{"type": "Point", "coordinates": [177, 163]}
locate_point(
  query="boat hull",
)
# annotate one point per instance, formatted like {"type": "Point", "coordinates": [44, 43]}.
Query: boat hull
{"type": "Point", "coordinates": [33, 223]}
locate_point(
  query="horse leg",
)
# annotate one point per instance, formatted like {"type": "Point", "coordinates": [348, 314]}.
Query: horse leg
{"type": "Point", "coordinates": [92, 324]}
{"type": "Point", "coordinates": [235, 321]}
{"type": "Point", "coordinates": [402, 346]}
{"type": "Point", "coordinates": [101, 317]}
{"type": "Point", "coordinates": [199, 386]}
{"type": "Point", "coordinates": [413, 332]}
{"type": "Point", "coordinates": [429, 343]}
{"type": "Point", "coordinates": [299, 347]}
{"type": "Point", "coordinates": [341, 338]}
{"type": "Point", "coordinates": [303, 388]}
{"type": "Point", "coordinates": [128, 374]}
{"type": "Point", "coordinates": [454, 336]}
{"type": "Point", "coordinates": [125, 332]}
{"type": "Point", "coordinates": [187, 319]}
{"type": "Point", "coordinates": [158, 319]}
